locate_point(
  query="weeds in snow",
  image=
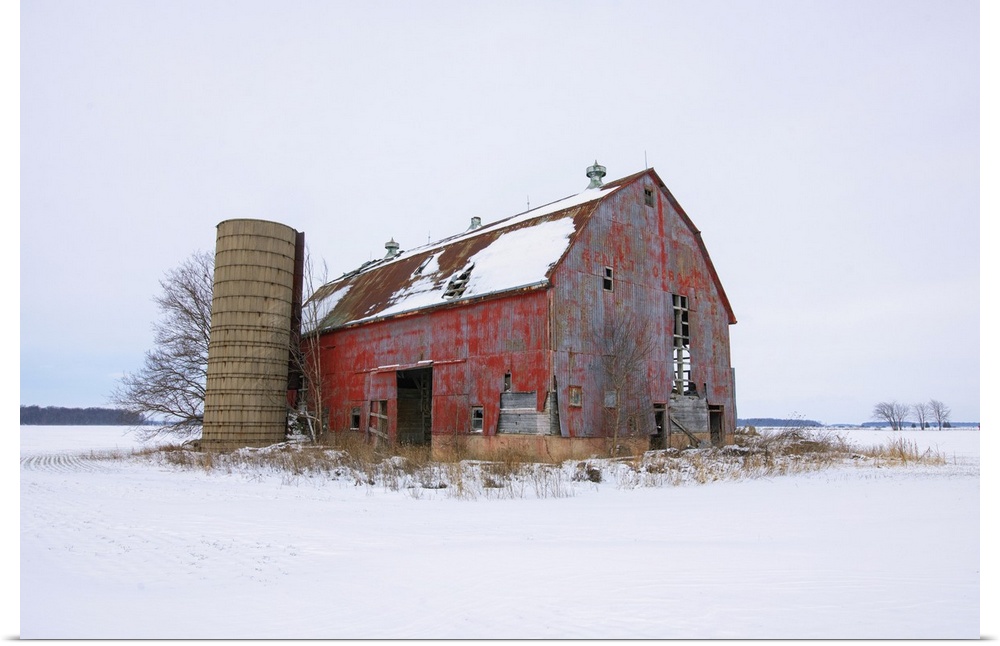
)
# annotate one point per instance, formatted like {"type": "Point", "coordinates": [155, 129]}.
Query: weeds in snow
{"type": "Point", "coordinates": [509, 474]}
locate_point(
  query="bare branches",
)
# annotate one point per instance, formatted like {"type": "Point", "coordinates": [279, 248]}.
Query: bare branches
{"type": "Point", "coordinates": [940, 413]}
{"type": "Point", "coordinates": [893, 413]}
{"type": "Point", "coordinates": [628, 345]}
{"type": "Point", "coordinates": [171, 383]}
{"type": "Point", "coordinates": [306, 355]}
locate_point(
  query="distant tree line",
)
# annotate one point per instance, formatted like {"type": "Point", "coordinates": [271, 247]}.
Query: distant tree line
{"type": "Point", "coordinates": [60, 416]}
{"type": "Point", "coordinates": [896, 414]}
{"type": "Point", "coordinates": [774, 421]}
{"type": "Point", "coordinates": [915, 425]}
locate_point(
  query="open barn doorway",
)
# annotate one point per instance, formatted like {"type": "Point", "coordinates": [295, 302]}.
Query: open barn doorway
{"type": "Point", "coordinates": [658, 438]}
{"type": "Point", "coordinates": [715, 424]}
{"type": "Point", "coordinates": [413, 406]}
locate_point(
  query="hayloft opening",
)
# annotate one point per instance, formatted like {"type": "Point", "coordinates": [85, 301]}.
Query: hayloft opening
{"type": "Point", "coordinates": [649, 196]}
{"type": "Point", "coordinates": [681, 369]}
{"type": "Point", "coordinates": [413, 406]}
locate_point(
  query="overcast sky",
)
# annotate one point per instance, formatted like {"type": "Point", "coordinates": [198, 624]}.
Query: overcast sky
{"type": "Point", "coordinates": [828, 151]}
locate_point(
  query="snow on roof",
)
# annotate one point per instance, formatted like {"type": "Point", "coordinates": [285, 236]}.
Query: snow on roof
{"type": "Point", "coordinates": [510, 254]}
{"type": "Point", "coordinates": [546, 209]}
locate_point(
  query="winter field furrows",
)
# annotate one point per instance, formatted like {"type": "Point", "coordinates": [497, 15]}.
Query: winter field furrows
{"type": "Point", "coordinates": [60, 462]}
{"type": "Point", "coordinates": [118, 547]}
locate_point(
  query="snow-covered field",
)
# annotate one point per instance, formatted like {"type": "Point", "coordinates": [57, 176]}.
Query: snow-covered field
{"type": "Point", "coordinates": [124, 549]}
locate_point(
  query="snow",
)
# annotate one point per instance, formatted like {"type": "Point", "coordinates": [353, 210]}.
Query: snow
{"type": "Point", "coordinates": [587, 195]}
{"type": "Point", "coordinates": [133, 549]}
{"type": "Point", "coordinates": [321, 308]}
{"type": "Point", "coordinates": [517, 258]}
{"type": "Point", "coordinates": [427, 290]}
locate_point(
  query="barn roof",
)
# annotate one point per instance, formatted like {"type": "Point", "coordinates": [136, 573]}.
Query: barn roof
{"type": "Point", "coordinates": [516, 253]}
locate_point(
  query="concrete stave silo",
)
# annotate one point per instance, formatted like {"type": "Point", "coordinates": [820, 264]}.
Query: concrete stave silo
{"type": "Point", "coordinates": [253, 310]}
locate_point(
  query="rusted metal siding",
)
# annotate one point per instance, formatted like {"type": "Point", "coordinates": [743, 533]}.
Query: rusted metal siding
{"type": "Point", "coordinates": [552, 338]}
{"type": "Point", "coordinates": [469, 349]}
{"type": "Point", "coordinates": [654, 253]}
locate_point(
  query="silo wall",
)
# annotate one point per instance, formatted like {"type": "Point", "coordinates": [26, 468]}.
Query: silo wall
{"type": "Point", "coordinates": [251, 331]}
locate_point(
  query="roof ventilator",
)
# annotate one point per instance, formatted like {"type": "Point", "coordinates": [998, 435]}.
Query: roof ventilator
{"type": "Point", "coordinates": [595, 173]}
{"type": "Point", "coordinates": [476, 223]}
{"type": "Point", "coordinates": [391, 249]}
{"type": "Point", "coordinates": [456, 286]}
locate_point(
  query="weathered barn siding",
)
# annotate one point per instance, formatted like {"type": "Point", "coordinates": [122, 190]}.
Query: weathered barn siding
{"type": "Point", "coordinates": [653, 254]}
{"type": "Point", "coordinates": [469, 350]}
{"type": "Point", "coordinates": [535, 357]}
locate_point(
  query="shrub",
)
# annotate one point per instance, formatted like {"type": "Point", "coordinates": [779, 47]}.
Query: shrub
{"type": "Point", "coordinates": [512, 473]}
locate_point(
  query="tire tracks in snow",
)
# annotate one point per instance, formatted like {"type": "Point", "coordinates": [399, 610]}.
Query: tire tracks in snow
{"type": "Point", "coordinates": [117, 532]}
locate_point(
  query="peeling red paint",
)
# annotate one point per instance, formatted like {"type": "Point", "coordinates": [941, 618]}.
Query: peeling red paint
{"type": "Point", "coordinates": [548, 337]}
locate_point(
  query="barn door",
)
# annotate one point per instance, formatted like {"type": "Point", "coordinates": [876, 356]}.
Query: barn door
{"type": "Point", "coordinates": [715, 424]}
{"type": "Point", "coordinates": [413, 406]}
{"type": "Point", "coordinates": [657, 439]}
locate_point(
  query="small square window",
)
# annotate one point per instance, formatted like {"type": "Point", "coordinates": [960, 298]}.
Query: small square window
{"type": "Point", "coordinates": [610, 399]}
{"type": "Point", "coordinates": [575, 396]}
{"type": "Point", "coordinates": [609, 279]}
{"type": "Point", "coordinates": [477, 419]}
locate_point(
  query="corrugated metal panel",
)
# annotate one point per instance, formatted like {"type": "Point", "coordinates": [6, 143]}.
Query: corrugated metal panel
{"type": "Point", "coordinates": [518, 415]}
{"type": "Point", "coordinates": [470, 349]}
{"type": "Point", "coordinates": [518, 400]}
{"type": "Point", "coordinates": [653, 252]}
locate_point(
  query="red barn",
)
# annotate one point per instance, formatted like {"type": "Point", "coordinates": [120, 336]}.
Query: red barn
{"type": "Point", "coordinates": [595, 320]}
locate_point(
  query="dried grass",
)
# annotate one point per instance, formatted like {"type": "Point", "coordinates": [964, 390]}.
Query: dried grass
{"type": "Point", "coordinates": [510, 473]}
{"type": "Point", "coordinates": [764, 454]}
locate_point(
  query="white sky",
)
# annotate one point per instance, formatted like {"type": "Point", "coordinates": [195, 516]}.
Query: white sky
{"type": "Point", "coordinates": [829, 152]}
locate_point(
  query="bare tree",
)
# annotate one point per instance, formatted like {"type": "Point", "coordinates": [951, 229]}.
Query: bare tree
{"type": "Point", "coordinates": [305, 354]}
{"type": "Point", "coordinates": [892, 413]}
{"type": "Point", "coordinates": [940, 413]}
{"type": "Point", "coordinates": [922, 412]}
{"type": "Point", "coordinates": [628, 344]}
{"type": "Point", "coordinates": [171, 383]}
